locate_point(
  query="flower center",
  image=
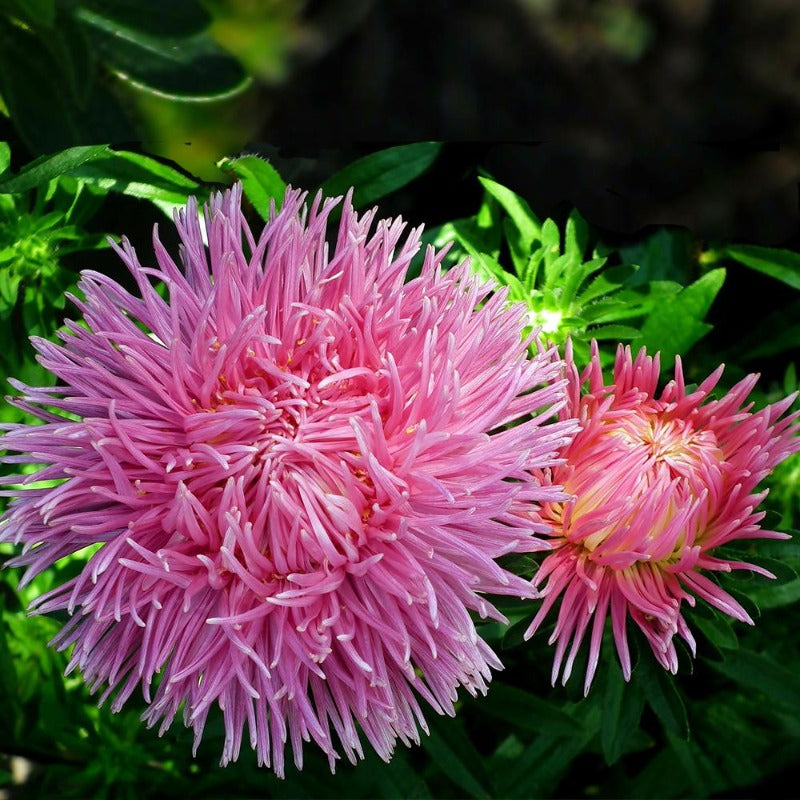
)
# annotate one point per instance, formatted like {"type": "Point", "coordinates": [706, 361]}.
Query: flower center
{"type": "Point", "coordinates": [640, 483]}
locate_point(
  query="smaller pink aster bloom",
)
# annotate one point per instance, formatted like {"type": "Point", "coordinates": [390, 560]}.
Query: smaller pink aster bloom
{"type": "Point", "coordinates": [658, 483]}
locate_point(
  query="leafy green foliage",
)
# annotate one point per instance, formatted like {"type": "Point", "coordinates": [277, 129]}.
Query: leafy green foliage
{"type": "Point", "coordinates": [59, 60]}
{"type": "Point", "coordinates": [573, 289]}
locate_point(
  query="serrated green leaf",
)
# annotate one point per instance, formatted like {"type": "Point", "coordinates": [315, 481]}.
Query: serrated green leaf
{"type": "Point", "coordinates": [525, 710]}
{"type": "Point", "coordinates": [604, 332]}
{"type": "Point", "coordinates": [607, 282]}
{"type": "Point", "coordinates": [5, 157]}
{"type": "Point", "coordinates": [260, 181]}
{"type": "Point", "coordinates": [46, 168]}
{"type": "Point", "coordinates": [623, 704]}
{"type": "Point", "coordinates": [783, 265]}
{"type": "Point", "coordinates": [378, 174]}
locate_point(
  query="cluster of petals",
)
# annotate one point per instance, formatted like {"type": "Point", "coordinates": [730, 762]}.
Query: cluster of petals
{"type": "Point", "coordinates": [298, 472]}
{"type": "Point", "coordinates": [658, 483]}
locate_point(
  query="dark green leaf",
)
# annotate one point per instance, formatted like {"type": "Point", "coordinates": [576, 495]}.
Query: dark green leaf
{"type": "Point", "coordinates": [44, 169]}
{"type": "Point", "coordinates": [623, 704]}
{"type": "Point", "coordinates": [703, 777]}
{"type": "Point", "coordinates": [758, 671]}
{"type": "Point", "coordinates": [176, 18]}
{"type": "Point", "coordinates": [455, 755]}
{"type": "Point", "coordinates": [784, 265]}
{"type": "Point", "coordinates": [527, 711]}
{"type": "Point", "coordinates": [662, 696]}
{"type": "Point", "coordinates": [260, 181]}
{"type": "Point", "coordinates": [36, 12]}
{"type": "Point", "coordinates": [717, 629]}
{"type": "Point", "coordinates": [667, 255]}
{"type": "Point", "coordinates": [381, 173]}
{"type": "Point", "coordinates": [178, 67]}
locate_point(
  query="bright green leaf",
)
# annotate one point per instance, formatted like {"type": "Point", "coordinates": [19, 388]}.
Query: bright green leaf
{"type": "Point", "coordinates": [676, 323]}
{"type": "Point", "coordinates": [260, 181]}
{"type": "Point", "coordinates": [528, 225]}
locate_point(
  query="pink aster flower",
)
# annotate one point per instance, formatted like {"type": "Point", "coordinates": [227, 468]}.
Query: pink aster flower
{"type": "Point", "coordinates": [299, 470]}
{"type": "Point", "coordinates": [658, 483]}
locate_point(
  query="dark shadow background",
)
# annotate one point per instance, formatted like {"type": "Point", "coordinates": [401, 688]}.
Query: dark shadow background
{"type": "Point", "coordinates": [683, 112]}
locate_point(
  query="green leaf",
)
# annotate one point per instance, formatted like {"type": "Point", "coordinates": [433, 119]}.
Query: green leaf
{"type": "Point", "coordinates": [526, 222]}
{"type": "Point", "coordinates": [718, 630]}
{"type": "Point", "coordinates": [607, 282]}
{"type": "Point", "coordinates": [455, 755]}
{"type": "Point", "coordinates": [5, 157]}
{"type": "Point", "coordinates": [783, 265]}
{"type": "Point", "coordinates": [138, 176]}
{"type": "Point", "coordinates": [45, 168]}
{"type": "Point", "coordinates": [576, 236]}
{"type": "Point", "coordinates": [381, 173]}
{"type": "Point", "coordinates": [667, 255]}
{"type": "Point", "coordinates": [44, 78]}
{"type": "Point", "coordinates": [622, 709]}
{"type": "Point", "coordinates": [676, 323]}
{"type": "Point", "coordinates": [527, 711]}
{"type": "Point", "coordinates": [604, 332]}
{"type": "Point", "coordinates": [758, 671]}
{"type": "Point", "coordinates": [260, 181]}
{"type": "Point", "coordinates": [178, 67]}
{"type": "Point", "coordinates": [36, 12]}
{"type": "Point", "coordinates": [662, 696]}
{"type": "Point", "coordinates": [176, 18]}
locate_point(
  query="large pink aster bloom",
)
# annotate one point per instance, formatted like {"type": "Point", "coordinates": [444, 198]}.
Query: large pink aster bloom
{"type": "Point", "coordinates": [300, 472]}
{"type": "Point", "coordinates": [658, 483]}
